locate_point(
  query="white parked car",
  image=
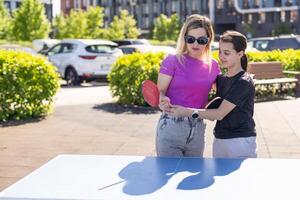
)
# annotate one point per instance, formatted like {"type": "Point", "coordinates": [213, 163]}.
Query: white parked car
{"type": "Point", "coordinates": [128, 49]}
{"type": "Point", "coordinates": [44, 44]}
{"type": "Point", "coordinates": [79, 60]}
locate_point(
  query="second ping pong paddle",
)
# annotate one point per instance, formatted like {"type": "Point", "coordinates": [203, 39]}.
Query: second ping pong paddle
{"type": "Point", "coordinates": [214, 104]}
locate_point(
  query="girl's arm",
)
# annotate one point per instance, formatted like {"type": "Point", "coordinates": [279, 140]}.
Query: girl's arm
{"type": "Point", "coordinates": [210, 114]}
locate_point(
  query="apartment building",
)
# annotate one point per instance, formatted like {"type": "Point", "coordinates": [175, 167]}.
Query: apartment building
{"type": "Point", "coordinates": [52, 7]}
{"type": "Point", "coordinates": [254, 17]}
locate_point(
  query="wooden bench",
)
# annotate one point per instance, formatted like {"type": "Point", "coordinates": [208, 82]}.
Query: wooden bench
{"type": "Point", "coordinates": [270, 73]}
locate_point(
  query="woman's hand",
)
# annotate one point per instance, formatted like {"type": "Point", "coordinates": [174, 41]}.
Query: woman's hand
{"type": "Point", "coordinates": [164, 103]}
{"type": "Point", "coordinates": [179, 111]}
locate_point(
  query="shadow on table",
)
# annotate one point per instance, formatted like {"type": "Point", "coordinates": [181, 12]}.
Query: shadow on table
{"type": "Point", "coordinates": [206, 170]}
{"type": "Point", "coordinates": [153, 173]}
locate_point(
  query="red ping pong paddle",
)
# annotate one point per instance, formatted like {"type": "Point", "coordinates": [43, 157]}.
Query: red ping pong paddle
{"type": "Point", "coordinates": [150, 93]}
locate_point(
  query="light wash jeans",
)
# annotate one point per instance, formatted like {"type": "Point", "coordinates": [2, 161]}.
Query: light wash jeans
{"type": "Point", "coordinates": [179, 136]}
{"type": "Point", "coordinates": [244, 147]}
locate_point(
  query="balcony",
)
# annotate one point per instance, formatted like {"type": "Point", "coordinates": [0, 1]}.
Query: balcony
{"type": "Point", "coordinates": [226, 16]}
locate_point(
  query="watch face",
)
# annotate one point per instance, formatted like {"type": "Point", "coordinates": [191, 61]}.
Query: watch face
{"type": "Point", "coordinates": [195, 115]}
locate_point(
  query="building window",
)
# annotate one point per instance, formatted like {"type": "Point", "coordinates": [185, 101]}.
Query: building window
{"type": "Point", "coordinates": [194, 4]}
{"type": "Point", "coordinates": [7, 5]}
{"type": "Point", "coordinates": [288, 3]}
{"type": "Point", "coordinates": [18, 4]}
{"type": "Point", "coordinates": [68, 4]}
{"type": "Point", "coordinates": [76, 4]}
{"type": "Point", "coordinates": [107, 11]}
{"type": "Point", "coordinates": [262, 17]}
{"type": "Point", "coordinates": [91, 3]}
{"type": "Point", "coordinates": [174, 6]}
{"type": "Point", "coordinates": [294, 16]}
{"type": "Point", "coordinates": [204, 5]}
{"type": "Point", "coordinates": [246, 4]}
{"type": "Point", "coordinates": [277, 3]}
{"type": "Point", "coordinates": [250, 19]}
{"type": "Point", "coordinates": [146, 22]}
{"type": "Point", "coordinates": [282, 16]}
{"type": "Point", "coordinates": [155, 7]}
{"type": "Point", "coordinates": [256, 4]}
{"type": "Point", "coordinates": [220, 4]}
{"type": "Point", "coordinates": [230, 4]}
{"type": "Point", "coordinates": [84, 3]}
{"type": "Point", "coordinates": [145, 8]}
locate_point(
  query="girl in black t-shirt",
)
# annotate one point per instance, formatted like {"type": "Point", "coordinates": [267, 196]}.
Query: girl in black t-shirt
{"type": "Point", "coordinates": [235, 134]}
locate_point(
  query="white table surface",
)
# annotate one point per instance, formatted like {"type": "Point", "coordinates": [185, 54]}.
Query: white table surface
{"type": "Point", "coordinates": [137, 177]}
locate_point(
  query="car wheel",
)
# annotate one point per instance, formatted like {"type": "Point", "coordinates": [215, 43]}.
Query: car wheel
{"type": "Point", "coordinates": [72, 77]}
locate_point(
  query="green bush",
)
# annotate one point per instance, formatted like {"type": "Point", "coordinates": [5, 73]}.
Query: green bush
{"type": "Point", "coordinates": [27, 86]}
{"type": "Point", "coordinates": [290, 59]}
{"type": "Point", "coordinates": [129, 72]}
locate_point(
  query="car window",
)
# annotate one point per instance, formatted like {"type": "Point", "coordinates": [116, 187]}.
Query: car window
{"type": "Point", "coordinates": [55, 50]}
{"type": "Point", "coordinates": [128, 50]}
{"type": "Point", "coordinates": [262, 45]}
{"type": "Point", "coordinates": [122, 42]}
{"type": "Point", "coordinates": [137, 42]}
{"type": "Point", "coordinates": [285, 43]}
{"type": "Point", "coordinates": [67, 48]}
{"type": "Point", "coordinates": [99, 49]}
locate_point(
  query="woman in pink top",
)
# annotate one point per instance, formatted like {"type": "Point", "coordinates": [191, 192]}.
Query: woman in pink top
{"type": "Point", "coordinates": [185, 79]}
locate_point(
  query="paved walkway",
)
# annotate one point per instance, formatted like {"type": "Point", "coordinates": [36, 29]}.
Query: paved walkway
{"type": "Point", "coordinates": [86, 121]}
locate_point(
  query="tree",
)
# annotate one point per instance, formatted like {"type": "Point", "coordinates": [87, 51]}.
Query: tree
{"type": "Point", "coordinates": [123, 27]}
{"type": "Point", "coordinates": [59, 27]}
{"type": "Point", "coordinates": [116, 29]}
{"type": "Point", "coordinates": [80, 24]}
{"type": "Point", "coordinates": [76, 25]}
{"type": "Point", "coordinates": [94, 16]}
{"type": "Point", "coordinates": [166, 28]}
{"type": "Point", "coordinates": [174, 27]}
{"type": "Point", "coordinates": [4, 20]}
{"type": "Point", "coordinates": [30, 21]}
{"type": "Point", "coordinates": [130, 29]}
{"type": "Point", "coordinates": [281, 29]}
{"type": "Point", "coordinates": [248, 29]}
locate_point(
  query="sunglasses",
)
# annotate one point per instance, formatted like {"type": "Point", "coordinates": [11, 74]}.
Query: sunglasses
{"type": "Point", "coordinates": [191, 39]}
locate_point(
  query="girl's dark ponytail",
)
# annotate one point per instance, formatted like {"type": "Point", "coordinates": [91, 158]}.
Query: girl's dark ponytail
{"type": "Point", "coordinates": [244, 62]}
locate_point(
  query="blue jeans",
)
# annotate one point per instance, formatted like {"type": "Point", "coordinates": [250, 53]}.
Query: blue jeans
{"type": "Point", "coordinates": [244, 147]}
{"type": "Point", "coordinates": [179, 136]}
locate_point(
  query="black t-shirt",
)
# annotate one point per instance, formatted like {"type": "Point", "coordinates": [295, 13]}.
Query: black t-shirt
{"type": "Point", "coordinates": [240, 91]}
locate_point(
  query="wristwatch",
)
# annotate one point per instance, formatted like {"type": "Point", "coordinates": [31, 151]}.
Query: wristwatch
{"type": "Point", "coordinates": [195, 114]}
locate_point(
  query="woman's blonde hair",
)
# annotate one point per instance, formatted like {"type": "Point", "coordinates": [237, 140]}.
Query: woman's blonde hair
{"type": "Point", "coordinates": [193, 22]}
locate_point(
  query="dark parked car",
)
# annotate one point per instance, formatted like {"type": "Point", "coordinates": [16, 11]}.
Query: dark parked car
{"type": "Point", "coordinates": [272, 43]}
{"type": "Point", "coordinates": [131, 42]}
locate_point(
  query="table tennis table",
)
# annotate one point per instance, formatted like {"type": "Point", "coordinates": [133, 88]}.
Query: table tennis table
{"type": "Point", "coordinates": [105, 177]}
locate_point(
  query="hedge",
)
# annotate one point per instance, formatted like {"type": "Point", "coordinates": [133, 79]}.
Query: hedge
{"type": "Point", "coordinates": [128, 73]}
{"type": "Point", "coordinates": [28, 84]}
{"type": "Point", "coordinates": [290, 59]}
